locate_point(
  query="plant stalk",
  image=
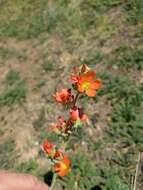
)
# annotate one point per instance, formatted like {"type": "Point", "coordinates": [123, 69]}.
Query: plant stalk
{"type": "Point", "coordinates": [136, 174]}
{"type": "Point", "coordinates": [75, 100]}
{"type": "Point", "coordinates": [53, 181]}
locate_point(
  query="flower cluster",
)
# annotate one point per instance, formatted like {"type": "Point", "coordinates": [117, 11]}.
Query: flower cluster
{"type": "Point", "coordinates": [61, 161]}
{"type": "Point", "coordinates": [83, 82]}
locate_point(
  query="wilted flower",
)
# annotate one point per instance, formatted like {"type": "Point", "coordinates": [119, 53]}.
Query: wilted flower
{"type": "Point", "coordinates": [47, 147]}
{"type": "Point", "coordinates": [60, 126]}
{"type": "Point", "coordinates": [58, 154]}
{"type": "Point", "coordinates": [63, 96]}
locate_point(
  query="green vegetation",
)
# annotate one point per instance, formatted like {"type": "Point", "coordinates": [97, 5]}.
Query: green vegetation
{"type": "Point", "coordinates": [40, 121]}
{"type": "Point", "coordinates": [87, 175]}
{"type": "Point", "coordinates": [42, 16]}
{"type": "Point", "coordinates": [21, 55]}
{"type": "Point", "coordinates": [134, 8]}
{"type": "Point", "coordinates": [8, 53]}
{"type": "Point", "coordinates": [14, 91]}
{"type": "Point", "coordinates": [5, 52]}
{"type": "Point", "coordinates": [119, 88]}
{"type": "Point", "coordinates": [134, 15]}
{"type": "Point", "coordinates": [47, 65]}
{"type": "Point", "coordinates": [12, 77]}
{"type": "Point", "coordinates": [92, 58]}
{"type": "Point", "coordinates": [127, 124]}
{"type": "Point", "coordinates": [40, 84]}
{"type": "Point", "coordinates": [29, 166]}
{"type": "Point", "coordinates": [126, 99]}
{"type": "Point", "coordinates": [127, 57]}
{"type": "Point", "coordinates": [7, 155]}
{"type": "Point", "coordinates": [18, 24]}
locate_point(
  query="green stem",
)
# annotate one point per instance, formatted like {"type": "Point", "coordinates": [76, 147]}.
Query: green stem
{"type": "Point", "coordinates": [53, 181]}
{"type": "Point", "coordinates": [65, 144]}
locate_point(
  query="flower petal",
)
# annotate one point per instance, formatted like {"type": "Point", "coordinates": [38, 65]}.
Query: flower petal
{"type": "Point", "coordinates": [57, 167]}
{"type": "Point", "coordinates": [79, 87]}
{"type": "Point", "coordinates": [66, 159]}
{"type": "Point", "coordinates": [87, 76]}
{"type": "Point", "coordinates": [63, 172]}
{"type": "Point", "coordinates": [96, 84]}
{"type": "Point", "coordinates": [90, 92]}
{"type": "Point", "coordinates": [74, 114]}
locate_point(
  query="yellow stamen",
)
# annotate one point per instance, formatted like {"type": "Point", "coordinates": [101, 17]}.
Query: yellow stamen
{"type": "Point", "coordinates": [63, 166]}
{"type": "Point", "coordinates": [85, 85]}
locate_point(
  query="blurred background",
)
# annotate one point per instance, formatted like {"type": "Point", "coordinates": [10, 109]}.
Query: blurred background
{"type": "Point", "coordinates": [40, 42]}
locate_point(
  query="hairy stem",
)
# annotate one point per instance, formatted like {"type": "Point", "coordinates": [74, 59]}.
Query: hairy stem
{"type": "Point", "coordinates": [53, 181]}
{"type": "Point", "coordinates": [136, 174]}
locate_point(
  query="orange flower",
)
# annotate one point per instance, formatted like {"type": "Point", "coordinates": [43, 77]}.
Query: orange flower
{"type": "Point", "coordinates": [62, 167]}
{"type": "Point", "coordinates": [74, 78]}
{"type": "Point", "coordinates": [78, 70]}
{"type": "Point", "coordinates": [63, 96]}
{"type": "Point", "coordinates": [76, 113]}
{"type": "Point", "coordinates": [86, 83]}
{"type": "Point", "coordinates": [47, 146]}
